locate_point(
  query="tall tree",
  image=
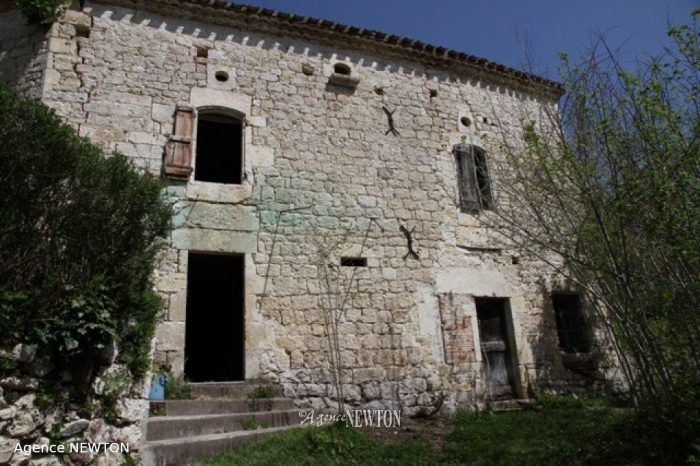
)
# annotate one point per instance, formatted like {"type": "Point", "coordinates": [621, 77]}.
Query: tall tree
{"type": "Point", "coordinates": [607, 189]}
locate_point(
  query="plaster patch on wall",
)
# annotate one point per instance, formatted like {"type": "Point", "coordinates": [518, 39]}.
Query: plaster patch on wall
{"type": "Point", "coordinates": [474, 281]}
{"type": "Point", "coordinates": [429, 320]}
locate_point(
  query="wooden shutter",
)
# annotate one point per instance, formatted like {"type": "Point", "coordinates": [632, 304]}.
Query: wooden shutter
{"type": "Point", "coordinates": [468, 184]}
{"type": "Point", "coordinates": [178, 151]}
{"type": "Point", "coordinates": [483, 180]}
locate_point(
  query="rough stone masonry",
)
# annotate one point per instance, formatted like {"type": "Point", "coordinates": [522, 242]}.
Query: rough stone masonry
{"type": "Point", "coordinates": [347, 154]}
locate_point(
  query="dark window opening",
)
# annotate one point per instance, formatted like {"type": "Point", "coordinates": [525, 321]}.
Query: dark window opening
{"type": "Point", "coordinates": [341, 68]}
{"type": "Point", "coordinates": [82, 31]}
{"type": "Point", "coordinates": [571, 326]}
{"type": "Point", "coordinates": [214, 325]}
{"type": "Point", "coordinates": [465, 121]}
{"type": "Point", "coordinates": [219, 157]}
{"type": "Point", "coordinates": [202, 52]}
{"type": "Point", "coordinates": [474, 182]}
{"type": "Point", "coordinates": [353, 262]}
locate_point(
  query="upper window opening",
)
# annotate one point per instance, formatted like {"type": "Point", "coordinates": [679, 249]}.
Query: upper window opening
{"type": "Point", "coordinates": [571, 326]}
{"type": "Point", "coordinates": [219, 155]}
{"type": "Point", "coordinates": [474, 182]}
{"type": "Point", "coordinates": [202, 52]}
{"type": "Point", "coordinates": [342, 68]}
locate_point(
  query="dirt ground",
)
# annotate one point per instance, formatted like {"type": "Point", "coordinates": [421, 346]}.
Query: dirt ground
{"type": "Point", "coordinates": [431, 431]}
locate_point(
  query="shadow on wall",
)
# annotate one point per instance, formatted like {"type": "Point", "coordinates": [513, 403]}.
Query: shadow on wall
{"type": "Point", "coordinates": [20, 51]}
{"type": "Point", "coordinates": [562, 370]}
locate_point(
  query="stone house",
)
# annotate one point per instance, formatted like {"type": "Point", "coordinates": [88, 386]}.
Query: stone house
{"type": "Point", "coordinates": [319, 170]}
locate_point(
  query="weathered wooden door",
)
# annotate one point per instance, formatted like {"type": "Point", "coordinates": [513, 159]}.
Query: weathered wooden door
{"type": "Point", "coordinates": [496, 349]}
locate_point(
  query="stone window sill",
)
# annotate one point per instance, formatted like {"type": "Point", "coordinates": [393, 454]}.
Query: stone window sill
{"type": "Point", "coordinates": [343, 80]}
{"type": "Point", "coordinates": [581, 362]}
{"type": "Point", "coordinates": [216, 192]}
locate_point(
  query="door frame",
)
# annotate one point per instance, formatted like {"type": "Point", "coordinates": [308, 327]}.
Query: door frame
{"type": "Point", "coordinates": [243, 303]}
{"type": "Point", "coordinates": [512, 365]}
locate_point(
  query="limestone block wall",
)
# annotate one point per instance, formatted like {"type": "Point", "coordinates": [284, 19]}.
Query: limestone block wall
{"type": "Point", "coordinates": [23, 52]}
{"type": "Point", "coordinates": [325, 178]}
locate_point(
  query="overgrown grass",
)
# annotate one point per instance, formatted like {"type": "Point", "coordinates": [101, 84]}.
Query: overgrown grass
{"type": "Point", "coordinates": [336, 445]}
{"type": "Point", "coordinates": [558, 431]}
{"type": "Point", "coordinates": [263, 392]}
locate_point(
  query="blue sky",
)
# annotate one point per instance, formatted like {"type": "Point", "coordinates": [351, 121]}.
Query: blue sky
{"type": "Point", "coordinates": [496, 29]}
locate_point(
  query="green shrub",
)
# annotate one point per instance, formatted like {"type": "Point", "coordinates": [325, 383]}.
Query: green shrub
{"type": "Point", "coordinates": [178, 389]}
{"type": "Point", "coordinates": [264, 391]}
{"type": "Point", "coordinates": [249, 423]}
{"type": "Point", "coordinates": [41, 11]}
{"type": "Point", "coordinates": [79, 235]}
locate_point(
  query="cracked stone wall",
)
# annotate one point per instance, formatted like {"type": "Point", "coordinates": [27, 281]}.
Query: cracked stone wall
{"type": "Point", "coordinates": [117, 76]}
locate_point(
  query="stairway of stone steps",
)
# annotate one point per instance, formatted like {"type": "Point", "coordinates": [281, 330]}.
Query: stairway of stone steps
{"type": "Point", "coordinates": [218, 417]}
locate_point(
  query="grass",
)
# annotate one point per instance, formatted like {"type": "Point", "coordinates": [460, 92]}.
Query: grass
{"type": "Point", "coordinates": [264, 392]}
{"type": "Point", "coordinates": [335, 445]}
{"type": "Point", "coordinates": [251, 423]}
{"type": "Point", "coordinates": [560, 431]}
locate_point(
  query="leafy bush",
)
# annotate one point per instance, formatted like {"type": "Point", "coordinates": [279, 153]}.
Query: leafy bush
{"type": "Point", "coordinates": [41, 11]}
{"type": "Point", "coordinates": [178, 389]}
{"type": "Point", "coordinates": [79, 236]}
{"type": "Point", "coordinates": [264, 391]}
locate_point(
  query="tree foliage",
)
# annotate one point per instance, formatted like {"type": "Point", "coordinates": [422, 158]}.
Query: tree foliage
{"type": "Point", "coordinates": [41, 11]}
{"type": "Point", "coordinates": [611, 185]}
{"type": "Point", "coordinates": [79, 235]}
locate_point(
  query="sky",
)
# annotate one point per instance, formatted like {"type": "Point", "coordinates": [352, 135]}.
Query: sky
{"type": "Point", "coordinates": [501, 30]}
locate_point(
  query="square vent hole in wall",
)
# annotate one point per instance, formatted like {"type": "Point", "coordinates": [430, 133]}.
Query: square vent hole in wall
{"type": "Point", "coordinates": [353, 262]}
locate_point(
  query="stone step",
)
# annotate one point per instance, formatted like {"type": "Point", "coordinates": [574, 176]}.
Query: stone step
{"type": "Point", "coordinates": [227, 390]}
{"type": "Point", "coordinates": [505, 406]}
{"type": "Point", "coordinates": [196, 407]}
{"type": "Point", "coordinates": [182, 451]}
{"type": "Point", "coordinates": [171, 427]}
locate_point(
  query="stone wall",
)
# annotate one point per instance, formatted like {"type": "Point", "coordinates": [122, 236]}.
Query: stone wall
{"type": "Point", "coordinates": [23, 52]}
{"type": "Point", "coordinates": [325, 177]}
{"type": "Point", "coordinates": [34, 414]}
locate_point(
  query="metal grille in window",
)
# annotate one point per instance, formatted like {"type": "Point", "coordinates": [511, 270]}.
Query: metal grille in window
{"type": "Point", "coordinates": [474, 182]}
{"type": "Point", "coordinates": [571, 326]}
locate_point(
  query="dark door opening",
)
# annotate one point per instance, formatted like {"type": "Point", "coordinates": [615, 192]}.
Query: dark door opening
{"type": "Point", "coordinates": [496, 347]}
{"type": "Point", "coordinates": [214, 328]}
